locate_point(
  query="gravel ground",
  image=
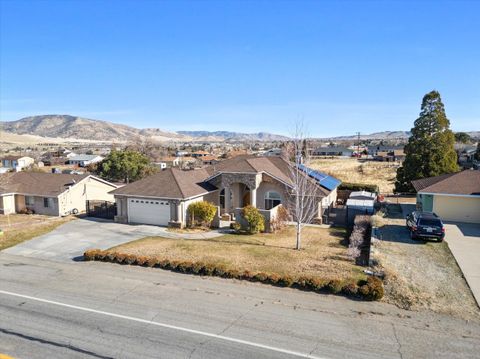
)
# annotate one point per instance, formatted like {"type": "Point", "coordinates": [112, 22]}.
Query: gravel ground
{"type": "Point", "coordinates": [421, 275]}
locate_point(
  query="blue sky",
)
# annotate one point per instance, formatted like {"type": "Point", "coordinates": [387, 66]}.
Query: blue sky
{"type": "Point", "coordinates": [245, 66]}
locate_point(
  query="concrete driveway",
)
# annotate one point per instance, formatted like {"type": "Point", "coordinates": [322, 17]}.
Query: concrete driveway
{"type": "Point", "coordinates": [70, 240]}
{"type": "Point", "coordinates": [464, 242]}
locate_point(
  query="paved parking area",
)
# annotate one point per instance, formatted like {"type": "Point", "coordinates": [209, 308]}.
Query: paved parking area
{"type": "Point", "coordinates": [464, 242]}
{"type": "Point", "coordinates": [70, 240]}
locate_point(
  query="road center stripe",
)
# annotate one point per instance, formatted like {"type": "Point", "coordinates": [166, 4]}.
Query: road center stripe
{"type": "Point", "coordinates": [164, 325]}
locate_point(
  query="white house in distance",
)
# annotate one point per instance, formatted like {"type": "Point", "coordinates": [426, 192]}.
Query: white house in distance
{"type": "Point", "coordinates": [16, 163]}
{"type": "Point", "coordinates": [84, 160]}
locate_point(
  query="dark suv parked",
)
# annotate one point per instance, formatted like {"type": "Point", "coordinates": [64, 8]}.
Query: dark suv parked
{"type": "Point", "coordinates": [425, 225]}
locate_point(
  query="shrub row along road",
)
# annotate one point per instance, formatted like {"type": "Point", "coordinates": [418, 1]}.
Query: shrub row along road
{"type": "Point", "coordinates": [101, 310]}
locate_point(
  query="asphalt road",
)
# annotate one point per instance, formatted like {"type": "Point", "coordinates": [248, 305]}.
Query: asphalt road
{"type": "Point", "coordinates": [98, 310]}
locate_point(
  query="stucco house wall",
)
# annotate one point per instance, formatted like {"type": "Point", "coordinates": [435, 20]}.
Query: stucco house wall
{"type": "Point", "coordinates": [267, 187]}
{"type": "Point", "coordinates": [39, 207]}
{"type": "Point", "coordinates": [87, 189]}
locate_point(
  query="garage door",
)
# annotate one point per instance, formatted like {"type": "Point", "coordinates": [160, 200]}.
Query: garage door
{"type": "Point", "coordinates": [145, 211]}
{"type": "Point", "coordinates": [458, 209]}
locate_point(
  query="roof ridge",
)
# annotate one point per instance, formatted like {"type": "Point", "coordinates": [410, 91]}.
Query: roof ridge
{"type": "Point", "coordinates": [173, 171]}
{"type": "Point", "coordinates": [248, 161]}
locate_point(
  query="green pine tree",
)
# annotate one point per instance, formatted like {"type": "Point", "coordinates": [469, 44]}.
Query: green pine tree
{"type": "Point", "coordinates": [430, 150]}
{"type": "Point", "coordinates": [126, 165]}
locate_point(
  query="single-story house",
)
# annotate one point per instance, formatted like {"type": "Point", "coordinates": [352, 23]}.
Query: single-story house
{"type": "Point", "coordinates": [198, 154]}
{"type": "Point", "coordinates": [17, 163]}
{"type": "Point", "coordinates": [50, 193]}
{"type": "Point", "coordinates": [333, 151]}
{"type": "Point", "coordinates": [84, 160]}
{"type": "Point", "coordinates": [453, 196]}
{"type": "Point", "coordinates": [170, 161]}
{"type": "Point", "coordinates": [263, 182]}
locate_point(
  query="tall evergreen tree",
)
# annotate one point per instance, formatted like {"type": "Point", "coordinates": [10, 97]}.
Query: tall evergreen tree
{"type": "Point", "coordinates": [430, 150]}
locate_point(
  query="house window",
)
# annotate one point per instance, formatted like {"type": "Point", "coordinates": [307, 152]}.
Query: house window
{"type": "Point", "coordinates": [222, 198]}
{"type": "Point", "coordinates": [29, 200]}
{"type": "Point", "coordinates": [48, 202]}
{"type": "Point", "coordinates": [272, 199]}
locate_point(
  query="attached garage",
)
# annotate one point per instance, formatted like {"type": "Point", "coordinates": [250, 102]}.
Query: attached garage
{"type": "Point", "coordinates": [148, 211]}
{"type": "Point", "coordinates": [457, 208]}
{"type": "Point", "coordinates": [453, 196]}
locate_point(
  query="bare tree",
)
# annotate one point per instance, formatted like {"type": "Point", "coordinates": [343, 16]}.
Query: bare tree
{"type": "Point", "coordinates": [304, 196]}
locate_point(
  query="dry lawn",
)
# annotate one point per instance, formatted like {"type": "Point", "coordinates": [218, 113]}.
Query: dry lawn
{"type": "Point", "coordinates": [367, 172]}
{"type": "Point", "coordinates": [18, 228]}
{"type": "Point", "coordinates": [421, 275]}
{"type": "Point", "coordinates": [323, 253]}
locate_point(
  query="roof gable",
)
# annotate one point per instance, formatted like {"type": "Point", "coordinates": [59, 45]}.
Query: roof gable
{"type": "Point", "coordinates": [461, 183]}
{"type": "Point", "coordinates": [38, 183]}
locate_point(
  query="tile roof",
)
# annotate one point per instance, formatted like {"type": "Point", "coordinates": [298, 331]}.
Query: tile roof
{"type": "Point", "coordinates": [37, 183]}
{"type": "Point", "coordinates": [463, 183]}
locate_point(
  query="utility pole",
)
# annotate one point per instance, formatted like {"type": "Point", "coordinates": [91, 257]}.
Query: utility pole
{"type": "Point", "coordinates": [358, 143]}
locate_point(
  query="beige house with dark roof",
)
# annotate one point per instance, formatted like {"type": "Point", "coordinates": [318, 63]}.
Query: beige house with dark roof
{"type": "Point", "coordinates": [50, 193]}
{"type": "Point", "coordinates": [453, 196]}
{"type": "Point", "coordinates": [163, 198]}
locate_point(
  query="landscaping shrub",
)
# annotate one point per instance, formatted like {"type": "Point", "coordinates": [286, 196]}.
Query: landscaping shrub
{"type": "Point", "coordinates": [280, 221]}
{"type": "Point", "coordinates": [142, 260]}
{"type": "Point", "coordinates": [237, 227]}
{"type": "Point", "coordinates": [334, 286]}
{"type": "Point", "coordinates": [89, 255]}
{"type": "Point", "coordinates": [201, 213]}
{"type": "Point", "coordinates": [358, 187]}
{"type": "Point", "coordinates": [256, 222]}
{"type": "Point", "coordinates": [370, 289]}
{"type": "Point", "coordinates": [285, 281]}
{"type": "Point", "coordinates": [151, 262]}
{"type": "Point", "coordinates": [350, 289]}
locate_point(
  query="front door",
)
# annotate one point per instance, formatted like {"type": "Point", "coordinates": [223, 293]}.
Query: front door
{"type": "Point", "coordinates": [246, 198]}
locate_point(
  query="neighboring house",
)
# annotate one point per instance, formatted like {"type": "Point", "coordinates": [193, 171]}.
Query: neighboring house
{"type": "Point", "coordinates": [200, 154]}
{"type": "Point", "coordinates": [50, 194]}
{"type": "Point", "coordinates": [209, 160]}
{"type": "Point", "coordinates": [166, 162]}
{"type": "Point", "coordinates": [453, 196]}
{"type": "Point", "coordinates": [84, 160]}
{"type": "Point", "coordinates": [387, 153]}
{"type": "Point", "coordinates": [332, 151]}
{"type": "Point", "coordinates": [182, 153]}
{"type": "Point", "coordinates": [17, 163]}
{"type": "Point", "coordinates": [273, 152]}
{"type": "Point", "coordinates": [263, 182]}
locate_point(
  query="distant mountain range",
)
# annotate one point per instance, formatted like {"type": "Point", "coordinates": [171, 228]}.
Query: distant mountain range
{"type": "Point", "coordinates": [73, 127]}
{"type": "Point", "coordinates": [234, 136]}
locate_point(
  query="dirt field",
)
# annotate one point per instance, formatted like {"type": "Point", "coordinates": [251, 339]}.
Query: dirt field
{"type": "Point", "coordinates": [421, 275]}
{"type": "Point", "coordinates": [323, 253]}
{"type": "Point", "coordinates": [352, 170]}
